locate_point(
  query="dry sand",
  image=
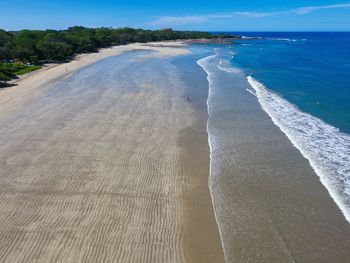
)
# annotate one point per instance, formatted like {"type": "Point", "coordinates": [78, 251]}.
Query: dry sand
{"type": "Point", "coordinates": [103, 174]}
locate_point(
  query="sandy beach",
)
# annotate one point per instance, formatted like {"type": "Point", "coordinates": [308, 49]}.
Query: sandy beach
{"type": "Point", "coordinates": [103, 159]}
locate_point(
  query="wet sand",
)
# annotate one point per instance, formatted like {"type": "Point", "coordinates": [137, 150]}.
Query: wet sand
{"type": "Point", "coordinates": [195, 159]}
{"type": "Point", "coordinates": [106, 164]}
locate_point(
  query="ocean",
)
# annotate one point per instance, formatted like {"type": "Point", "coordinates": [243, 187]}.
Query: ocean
{"type": "Point", "coordinates": [310, 70]}
{"type": "Point", "coordinates": [301, 82]}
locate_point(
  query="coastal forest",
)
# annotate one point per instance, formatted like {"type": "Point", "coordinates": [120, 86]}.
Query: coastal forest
{"type": "Point", "coordinates": [24, 51]}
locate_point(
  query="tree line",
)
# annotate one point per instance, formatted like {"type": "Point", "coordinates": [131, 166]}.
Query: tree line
{"type": "Point", "coordinates": [42, 46]}
{"type": "Point", "coordinates": [56, 45]}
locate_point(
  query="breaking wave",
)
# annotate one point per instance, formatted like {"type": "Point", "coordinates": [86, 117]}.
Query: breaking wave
{"type": "Point", "coordinates": [326, 148]}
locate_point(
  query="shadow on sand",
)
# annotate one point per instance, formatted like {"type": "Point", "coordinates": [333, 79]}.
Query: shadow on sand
{"type": "Point", "coordinates": [4, 85]}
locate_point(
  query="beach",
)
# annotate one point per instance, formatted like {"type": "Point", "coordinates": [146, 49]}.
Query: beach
{"type": "Point", "coordinates": [104, 159]}
{"type": "Point", "coordinates": [159, 152]}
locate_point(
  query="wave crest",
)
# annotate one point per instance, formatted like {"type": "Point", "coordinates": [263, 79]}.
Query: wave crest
{"type": "Point", "coordinates": [326, 148]}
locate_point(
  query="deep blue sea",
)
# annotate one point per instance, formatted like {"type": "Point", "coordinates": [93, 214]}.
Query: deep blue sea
{"type": "Point", "coordinates": [311, 70]}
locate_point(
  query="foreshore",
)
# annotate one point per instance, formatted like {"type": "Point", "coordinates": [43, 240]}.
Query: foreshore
{"type": "Point", "coordinates": [104, 159]}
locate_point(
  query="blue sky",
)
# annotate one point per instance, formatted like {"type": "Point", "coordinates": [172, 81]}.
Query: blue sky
{"type": "Point", "coordinates": [219, 15]}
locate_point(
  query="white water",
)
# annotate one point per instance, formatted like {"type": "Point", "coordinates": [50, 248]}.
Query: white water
{"type": "Point", "coordinates": [223, 65]}
{"type": "Point", "coordinates": [326, 148]}
{"type": "Point", "coordinates": [204, 62]}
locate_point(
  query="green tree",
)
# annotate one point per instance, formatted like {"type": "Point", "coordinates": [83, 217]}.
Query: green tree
{"type": "Point", "coordinates": [5, 37]}
{"type": "Point", "coordinates": [103, 37]}
{"type": "Point", "coordinates": [54, 47]}
{"type": "Point", "coordinates": [3, 79]}
{"type": "Point", "coordinates": [5, 74]}
{"type": "Point", "coordinates": [23, 45]}
{"type": "Point", "coordinates": [82, 39]}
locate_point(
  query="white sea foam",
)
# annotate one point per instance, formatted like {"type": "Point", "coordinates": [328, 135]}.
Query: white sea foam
{"type": "Point", "coordinates": [251, 92]}
{"type": "Point", "coordinates": [326, 148]}
{"type": "Point", "coordinates": [204, 63]}
{"type": "Point", "coordinates": [284, 39]}
{"type": "Point", "coordinates": [287, 39]}
{"type": "Point", "coordinates": [245, 37]}
{"type": "Point", "coordinates": [223, 65]}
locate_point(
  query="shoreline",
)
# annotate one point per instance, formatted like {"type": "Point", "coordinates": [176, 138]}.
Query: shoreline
{"type": "Point", "coordinates": [265, 191]}
{"type": "Point", "coordinates": [141, 197]}
{"type": "Point", "coordinates": [177, 43]}
{"type": "Point", "coordinates": [34, 81]}
{"type": "Point", "coordinates": [85, 59]}
{"type": "Point", "coordinates": [194, 139]}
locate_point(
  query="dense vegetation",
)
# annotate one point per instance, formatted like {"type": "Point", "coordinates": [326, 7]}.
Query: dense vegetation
{"type": "Point", "coordinates": [17, 68]}
{"type": "Point", "coordinates": [35, 46]}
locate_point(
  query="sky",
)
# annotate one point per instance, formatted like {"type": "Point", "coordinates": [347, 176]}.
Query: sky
{"type": "Point", "coordinates": [204, 15]}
